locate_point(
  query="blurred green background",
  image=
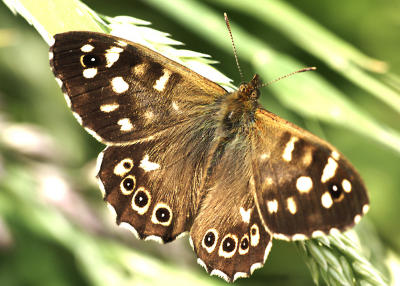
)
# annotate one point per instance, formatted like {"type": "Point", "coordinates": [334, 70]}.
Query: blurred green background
{"type": "Point", "coordinates": [54, 226]}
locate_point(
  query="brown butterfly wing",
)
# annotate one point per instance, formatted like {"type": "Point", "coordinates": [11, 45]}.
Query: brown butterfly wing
{"type": "Point", "coordinates": [303, 186]}
{"type": "Point", "coordinates": [228, 235]}
{"type": "Point", "coordinates": [121, 91]}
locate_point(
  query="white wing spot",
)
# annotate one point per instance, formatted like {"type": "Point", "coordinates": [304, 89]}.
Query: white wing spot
{"type": "Point", "coordinates": [317, 233]}
{"type": "Point", "coordinates": [112, 55]}
{"type": "Point", "coordinates": [107, 108]}
{"type": "Point", "coordinates": [149, 115]}
{"type": "Point", "coordinates": [89, 73]}
{"type": "Point", "coordinates": [335, 155]}
{"type": "Point", "coordinates": [334, 231]}
{"type": "Point", "coordinates": [123, 167]}
{"type": "Point", "coordinates": [291, 205]}
{"type": "Point", "coordinates": [244, 251]}
{"type": "Point", "coordinates": [119, 85]}
{"type": "Point", "coordinates": [346, 185]}
{"type": "Point", "coordinates": [154, 218]}
{"type": "Point", "coordinates": [141, 209]}
{"type": "Point", "coordinates": [222, 252]}
{"type": "Point", "coordinates": [304, 184]}
{"type": "Point", "coordinates": [51, 55]}
{"type": "Point", "coordinates": [162, 81]}
{"type": "Point", "coordinates": [326, 200]}
{"type": "Point", "coordinates": [127, 191]}
{"type": "Point", "coordinates": [122, 43]}
{"type": "Point", "coordinates": [268, 181]}
{"type": "Point", "coordinates": [175, 106]}
{"type": "Point", "coordinates": [140, 70]}
{"type": "Point", "coordinates": [245, 214]}
{"type": "Point", "coordinates": [272, 206]}
{"type": "Point", "coordinates": [329, 170]}
{"type": "Point", "coordinates": [87, 48]}
{"type": "Point", "coordinates": [365, 209]}
{"type": "Point", "coordinates": [264, 156]}
{"type": "Point", "coordinates": [125, 124]}
{"type": "Point", "coordinates": [299, 236]}
{"type": "Point", "coordinates": [287, 153]}
{"type": "Point", "coordinates": [254, 235]}
{"type": "Point", "coordinates": [147, 165]}
{"type": "Point", "coordinates": [212, 247]}
{"type": "Point", "coordinates": [357, 219]}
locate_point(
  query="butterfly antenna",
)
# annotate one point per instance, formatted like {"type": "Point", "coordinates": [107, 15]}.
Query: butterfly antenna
{"type": "Point", "coordinates": [288, 75]}
{"type": "Point", "coordinates": [233, 45]}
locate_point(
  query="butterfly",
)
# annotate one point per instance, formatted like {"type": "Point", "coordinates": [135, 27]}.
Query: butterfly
{"type": "Point", "coordinates": [184, 156]}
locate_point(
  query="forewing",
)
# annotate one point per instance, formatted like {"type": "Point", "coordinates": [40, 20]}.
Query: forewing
{"type": "Point", "coordinates": [121, 91]}
{"type": "Point", "coordinates": [227, 235]}
{"type": "Point", "coordinates": [303, 186]}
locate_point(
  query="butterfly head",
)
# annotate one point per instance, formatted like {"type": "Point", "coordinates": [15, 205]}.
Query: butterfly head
{"type": "Point", "coordinates": [250, 90]}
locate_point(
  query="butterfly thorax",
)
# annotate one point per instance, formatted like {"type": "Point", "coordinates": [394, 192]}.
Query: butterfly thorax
{"type": "Point", "coordinates": [238, 108]}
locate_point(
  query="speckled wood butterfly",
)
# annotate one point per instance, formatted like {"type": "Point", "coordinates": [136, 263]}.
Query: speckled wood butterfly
{"type": "Point", "coordinates": [184, 155]}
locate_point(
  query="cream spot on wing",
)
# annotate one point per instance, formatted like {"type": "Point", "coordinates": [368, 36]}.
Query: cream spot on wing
{"type": "Point", "coordinates": [317, 233]}
{"type": "Point", "coordinates": [149, 115]}
{"type": "Point", "coordinates": [111, 58]}
{"type": "Point", "coordinates": [162, 81]}
{"type": "Point", "coordinates": [291, 205]}
{"type": "Point", "coordinates": [357, 219]}
{"type": "Point", "coordinates": [254, 235]}
{"type": "Point", "coordinates": [89, 73]}
{"type": "Point", "coordinates": [159, 217]}
{"type": "Point", "coordinates": [203, 241]}
{"type": "Point", "coordinates": [51, 55]}
{"type": "Point", "coordinates": [335, 155]}
{"type": "Point", "coordinates": [238, 275]}
{"type": "Point", "coordinates": [122, 43]}
{"type": "Point", "coordinates": [107, 108]}
{"type": "Point", "coordinates": [268, 181]}
{"type": "Point", "coordinates": [130, 228]}
{"type": "Point", "coordinates": [334, 231]}
{"type": "Point", "coordinates": [329, 170]}
{"type": "Point", "coordinates": [119, 85]}
{"type": "Point", "coordinates": [245, 250]}
{"type": "Point", "coordinates": [287, 153]}
{"type": "Point", "coordinates": [147, 165]}
{"type": "Point", "coordinates": [123, 167]}
{"type": "Point", "coordinates": [112, 55]}
{"type": "Point", "coordinates": [365, 209]}
{"type": "Point", "coordinates": [125, 124]}
{"type": "Point", "coordinates": [245, 214]}
{"type": "Point", "coordinates": [226, 254]}
{"type": "Point", "coordinates": [140, 70]}
{"type": "Point", "coordinates": [141, 200]}
{"type": "Point", "coordinates": [87, 48]}
{"type": "Point", "coordinates": [304, 184]}
{"type": "Point", "coordinates": [272, 206]}
{"type": "Point", "coordinates": [346, 185]}
{"type": "Point", "coordinates": [219, 273]}
{"type": "Point", "coordinates": [326, 200]}
{"type": "Point", "coordinates": [175, 106]}
{"type": "Point", "coordinates": [155, 238]}
{"type": "Point", "coordinates": [307, 157]}
{"type": "Point", "coordinates": [281, 236]}
{"type": "Point", "coordinates": [128, 185]}
{"type": "Point", "coordinates": [264, 156]}
{"type": "Point", "coordinates": [299, 236]}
